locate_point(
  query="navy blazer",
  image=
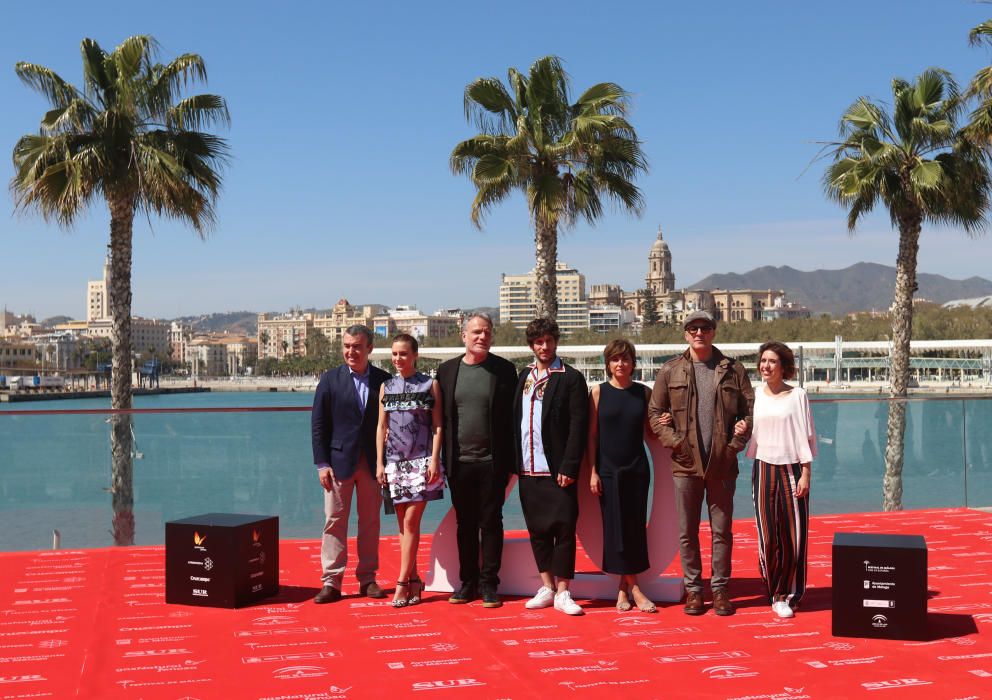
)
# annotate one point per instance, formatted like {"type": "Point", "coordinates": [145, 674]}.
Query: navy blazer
{"type": "Point", "coordinates": [340, 431]}
{"type": "Point", "coordinates": [564, 421]}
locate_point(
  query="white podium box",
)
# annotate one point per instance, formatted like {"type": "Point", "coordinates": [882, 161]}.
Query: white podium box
{"type": "Point", "coordinates": [518, 573]}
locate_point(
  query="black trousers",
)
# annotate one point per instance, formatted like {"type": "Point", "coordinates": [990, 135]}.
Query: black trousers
{"type": "Point", "coordinates": [477, 492]}
{"type": "Point", "coordinates": [551, 512]}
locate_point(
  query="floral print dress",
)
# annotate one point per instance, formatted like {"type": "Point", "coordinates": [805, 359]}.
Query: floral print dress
{"type": "Point", "coordinates": [408, 404]}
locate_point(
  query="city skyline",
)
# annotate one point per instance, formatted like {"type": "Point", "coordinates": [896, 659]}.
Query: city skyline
{"type": "Point", "coordinates": [343, 120]}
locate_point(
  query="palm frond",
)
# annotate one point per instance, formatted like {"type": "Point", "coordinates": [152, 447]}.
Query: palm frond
{"type": "Point", "coordinates": [604, 98]}
{"type": "Point", "coordinates": [197, 112]}
{"type": "Point", "coordinates": [927, 175]}
{"type": "Point", "coordinates": [96, 82]}
{"type": "Point", "coordinates": [47, 82]}
{"type": "Point", "coordinates": [76, 116]}
{"type": "Point", "coordinates": [488, 102]}
{"type": "Point", "coordinates": [981, 33]}
{"type": "Point", "coordinates": [133, 55]}
{"type": "Point", "coordinates": [488, 195]}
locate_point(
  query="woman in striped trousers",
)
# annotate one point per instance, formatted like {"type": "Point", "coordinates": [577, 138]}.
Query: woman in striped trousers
{"type": "Point", "coordinates": [783, 445]}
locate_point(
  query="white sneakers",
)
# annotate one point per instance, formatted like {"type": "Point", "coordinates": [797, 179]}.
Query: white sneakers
{"type": "Point", "coordinates": [564, 602]}
{"type": "Point", "coordinates": [782, 609]}
{"type": "Point", "coordinates": [546, 597]}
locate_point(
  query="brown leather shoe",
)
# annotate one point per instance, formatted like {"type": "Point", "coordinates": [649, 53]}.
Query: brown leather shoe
{"type": "Point", "coordinates": [693, 603]}
{"type": "Point", "coordinates": [327, 594]}
{"type": "Point", "coordinates": [721, 603]}
{"type": "Point", "coordinates": [371, 590]}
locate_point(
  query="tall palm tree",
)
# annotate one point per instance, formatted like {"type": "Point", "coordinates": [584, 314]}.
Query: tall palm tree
{"type": "Point", "coordinates": [129, 139]}
{"type": "Point", "coordinates": [565, 157]}
{"type": "Point", "coordinates": [917, 163]}
{"type": "Point", "coordinates": [980, 123]}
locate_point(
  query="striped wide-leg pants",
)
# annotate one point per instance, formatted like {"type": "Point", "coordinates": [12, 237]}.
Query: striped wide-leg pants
{"type": "Point", "coordinates": [783, 530]}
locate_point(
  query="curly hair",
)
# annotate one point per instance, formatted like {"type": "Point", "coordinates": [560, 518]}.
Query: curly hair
{"type": "Point", "coordinates": [541, 327]}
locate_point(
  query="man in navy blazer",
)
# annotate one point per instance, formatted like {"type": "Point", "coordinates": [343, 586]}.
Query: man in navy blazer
{"type": "Point", "coordinates": [343, 422]}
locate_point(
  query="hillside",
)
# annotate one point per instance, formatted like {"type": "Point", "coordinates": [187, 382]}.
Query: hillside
{"type": "Point", "coordinates": [860, 287]}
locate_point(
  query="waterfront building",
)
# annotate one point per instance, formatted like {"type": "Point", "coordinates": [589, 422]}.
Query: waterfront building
{"type": "Point", "coordinates": [58, 351]}
{"type": "Point", "coordinates": [409, 319]}
{"type": "Point", "coordinates": [6, 319]}
{"type": "Point", "coordinates": [344, 315]}
{"type": "Point", "coordinates": [15, 326]}
{"type": "Point", "coordinates": [744, 304]}
{"type": "Point", "coordinates": [242, 352]}
{"type": "Point", "coordinates": [147, 334]}
{"type": "Point", "coordinates": [785, 310]}
{"type": "Point", "coordinates": [206, 357]}
{"type": "Point", "coordinates": [220, 355]}
{"type": "Point", "coordinates": [610, 318]}
{"type": "Point", "coordinates": [98, 295]}
{"type": "Point", "coordinates": [179, 335]}
{"type": "Point", "coordinates": [15, 354]}
{"type": "Point", "coordinates": [282, 335]}
{"type": "Point", "coordinates": [605, 295]}
{"type": "Point", "coordinates": [517, 299]}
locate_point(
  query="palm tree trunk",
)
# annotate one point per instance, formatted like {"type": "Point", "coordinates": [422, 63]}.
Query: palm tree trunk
{"type": "Point", "coordinates": [545, 270]}
{"type": "Point", "coordinates": [902, 333]}
{"type": "Point", "coordinates": [121, 435]}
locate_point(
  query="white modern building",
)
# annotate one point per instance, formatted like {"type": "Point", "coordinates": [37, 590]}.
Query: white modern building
{"type": "Point", "coordinates": [517, 299]}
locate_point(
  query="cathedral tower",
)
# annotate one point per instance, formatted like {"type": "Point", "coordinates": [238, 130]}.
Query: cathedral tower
{"type": "Point", "coordinates": [660, 279]}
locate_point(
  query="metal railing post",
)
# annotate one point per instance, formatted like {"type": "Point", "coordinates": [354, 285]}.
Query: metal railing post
{"type": "Point", "coordinates": [964, 446]}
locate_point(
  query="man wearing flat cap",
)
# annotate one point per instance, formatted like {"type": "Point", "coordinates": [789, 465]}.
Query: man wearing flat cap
{"type": "Point", "coordinates": [698, 399]}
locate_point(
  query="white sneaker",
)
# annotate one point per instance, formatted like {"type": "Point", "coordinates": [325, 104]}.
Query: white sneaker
{"type": "Point", "coordinates": [782, 609]}
{"type": "Point", "coordinates": [543, 599]}
{"type": "Point", "coordinates": [564, 602]}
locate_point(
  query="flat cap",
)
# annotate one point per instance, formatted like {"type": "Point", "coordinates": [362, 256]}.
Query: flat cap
{"type": "Point", "coordinates": [700, 316]}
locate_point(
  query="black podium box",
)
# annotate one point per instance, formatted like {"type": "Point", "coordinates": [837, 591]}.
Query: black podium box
{"type": "Point", "coordinates": [879, 586]}
{"type": "Point", "coordinates": [221, 560]}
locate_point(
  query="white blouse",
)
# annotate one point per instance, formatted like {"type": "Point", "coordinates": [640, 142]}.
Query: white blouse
{"type": "Point", "coordinates": [783, 428]}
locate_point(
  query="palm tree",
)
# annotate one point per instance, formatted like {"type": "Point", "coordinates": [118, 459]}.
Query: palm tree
{"type": "Point", "coordinates": [917, 163]}
{"type": "Point", "coordinates": [563, 156]}
{"type": "Point", "coordinates": [980, 124]}
{"type": "Point", "coordinates": [127, 138]}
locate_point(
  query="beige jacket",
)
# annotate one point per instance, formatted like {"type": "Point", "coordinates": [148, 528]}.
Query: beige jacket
{"type": "Point", "coordinates": [675, 392]}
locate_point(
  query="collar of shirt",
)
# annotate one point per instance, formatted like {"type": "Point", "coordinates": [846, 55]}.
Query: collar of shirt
{"type": "Point", "coordinates": [556, 365]}
{"type": "Point", "coordinates": [360, 375]}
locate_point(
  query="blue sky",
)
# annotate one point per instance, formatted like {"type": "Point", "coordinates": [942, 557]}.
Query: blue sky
{"type": "Point", "coordinates": [344, 115]}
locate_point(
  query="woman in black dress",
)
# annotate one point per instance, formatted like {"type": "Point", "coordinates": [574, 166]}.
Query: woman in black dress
{"type": "Point", "coordinates": [620, 474]}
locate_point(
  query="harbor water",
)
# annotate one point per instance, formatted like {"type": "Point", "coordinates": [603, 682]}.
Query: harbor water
{"type": "Point", "coordinates": [236, 452]}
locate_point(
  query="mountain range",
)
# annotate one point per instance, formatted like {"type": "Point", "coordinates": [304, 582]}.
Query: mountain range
{"type": "Point", "coordinates": [860, 287]}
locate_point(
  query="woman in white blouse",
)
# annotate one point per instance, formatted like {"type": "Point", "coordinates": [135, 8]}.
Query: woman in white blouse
{"type": "Point", "coordinates": [783, 445]}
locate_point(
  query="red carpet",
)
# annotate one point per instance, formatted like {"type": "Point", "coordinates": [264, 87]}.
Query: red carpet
{"type": "Point", "coordinates": [93, 624]}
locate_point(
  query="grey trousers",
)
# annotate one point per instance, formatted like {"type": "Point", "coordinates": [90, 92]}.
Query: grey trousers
{"type": "Point", "coordinates": [719, 493]}
{"type": "Point", "coordinates": [337, 509]}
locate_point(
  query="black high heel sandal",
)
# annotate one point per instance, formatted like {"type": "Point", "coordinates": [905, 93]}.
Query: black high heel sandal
{"type": "Point", "coordinates": [416, 588]}
{"type": "Point", "coordinates": [401, 602]}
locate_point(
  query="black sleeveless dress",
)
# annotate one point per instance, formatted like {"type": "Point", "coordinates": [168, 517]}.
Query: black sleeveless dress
{"type": "Point", "coordinates": [623, 468]}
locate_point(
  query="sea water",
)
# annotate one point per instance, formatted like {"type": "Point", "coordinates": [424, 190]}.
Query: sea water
{"type": "Point", "coordinates": [254, 458]}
